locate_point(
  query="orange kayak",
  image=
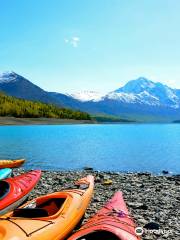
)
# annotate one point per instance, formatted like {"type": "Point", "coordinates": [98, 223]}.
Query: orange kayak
{"type": "Point", "coordinates": [13, 191]}
{"type": "Point", "coordinates": [52, 216]}
{"type": "Point", "coordinates": [112, 222]}
{"type": "Point", "coordinates": [11, 163]}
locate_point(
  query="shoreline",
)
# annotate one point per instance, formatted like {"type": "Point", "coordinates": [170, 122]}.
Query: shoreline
{"type": "Point", "coordinates": [12, 121]}
{"type": "Point", "coordinates": [150, 198]}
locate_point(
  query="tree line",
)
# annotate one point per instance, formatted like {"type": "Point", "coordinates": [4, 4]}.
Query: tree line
{"type": "Point", "coordinates": [20, 108]}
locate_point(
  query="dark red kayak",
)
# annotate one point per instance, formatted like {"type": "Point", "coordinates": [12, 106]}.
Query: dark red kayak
{"type": "Point", "coordinates": [112, 222]}
{"type": "Point", "coordinates": [13, 191]}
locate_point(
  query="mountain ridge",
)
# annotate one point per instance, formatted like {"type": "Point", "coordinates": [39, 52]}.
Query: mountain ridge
{"type": "Point", "coordinates": [137, 99]}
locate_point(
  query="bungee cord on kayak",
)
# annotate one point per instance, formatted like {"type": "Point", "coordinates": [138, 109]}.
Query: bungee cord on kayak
{"type": "Point", "coordinates": [22, 229]}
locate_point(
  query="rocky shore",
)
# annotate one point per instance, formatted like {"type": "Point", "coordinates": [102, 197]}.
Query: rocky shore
{"type": "Point", "coordinates": [12, 121]}
{"type": "Point", "coordinates": [153, 201]}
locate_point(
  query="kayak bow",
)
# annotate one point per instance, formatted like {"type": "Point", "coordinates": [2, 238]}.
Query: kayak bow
{"type": "Point", "coordinates": [13, 191]}
{"type": "Point", "coordinates": [11, 163]}
{"type": "Point", "coordinates": [52, 216]}
{"type": "Point", "coordinates": [112, 222]}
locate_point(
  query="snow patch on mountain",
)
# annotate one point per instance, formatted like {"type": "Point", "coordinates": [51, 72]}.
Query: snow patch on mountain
{"type": "Point", "coordinates": [137, 86]}
{"type": "Point", "coordinates": [141, 98]}
{"type": "Point", "coordinates": [7, 77]}
{"type": "Point", "coordinates": [85, 96]}
{"type": "Point", "coordinates": [171, 94]}
{"type": "Point", "coordinates": [125, 97]}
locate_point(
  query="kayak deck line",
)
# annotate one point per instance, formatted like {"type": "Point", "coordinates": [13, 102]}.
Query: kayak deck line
{"type": "Point", "coordinates": [101, 219]}
{"type": "Point", "coordinates": [55, 214]}
{"type": "Point", "coordinates": [102, 216]}
{"type": "Point", "coordinates": [83, 185]}
{"type": "Point", "coordinates": [112, 221]}
{"type": "Point", "coordinates": [79, 192]}
{"type": "Point", "coordinates": [9, 219]}
{"type": "Point", "coordinates": [110, 224]}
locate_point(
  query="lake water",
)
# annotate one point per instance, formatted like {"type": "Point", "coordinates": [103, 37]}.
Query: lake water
{"type": "Point", "coordinates": [116, 147]}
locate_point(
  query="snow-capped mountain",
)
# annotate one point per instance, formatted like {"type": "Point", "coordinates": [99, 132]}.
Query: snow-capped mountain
{"type": "Point", "coordinates": [16, 85]}
{"type": "Point", "coordinates": [138, 99]}
{"type": "Point", "coordinates": [144, 91]}
{"type": "Point", "coordinates": [139, 91]}
{"type": "Point", "coordinates": [85, 96]}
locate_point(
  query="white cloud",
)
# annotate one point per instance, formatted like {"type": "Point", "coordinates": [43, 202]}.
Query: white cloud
{"type": "Point", "coordinates": [74, 41]}
{"type": "Point", "coordinates": [66, 40]}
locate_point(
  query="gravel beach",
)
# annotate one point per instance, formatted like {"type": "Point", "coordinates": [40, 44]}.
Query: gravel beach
{"type": "Point", "coordinates": [153, 201]}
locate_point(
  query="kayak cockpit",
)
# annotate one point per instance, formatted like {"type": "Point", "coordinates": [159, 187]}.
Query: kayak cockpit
{"type": "Point", "coordinates": [45, 209]}
{"type": "Point", "coordinates": [4, 189]}
{"type": "Point", "coordinates": [97, 235]}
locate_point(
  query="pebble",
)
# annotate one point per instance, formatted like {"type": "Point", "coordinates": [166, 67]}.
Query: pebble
{"type": "Point", "coordinates": [153, 201]}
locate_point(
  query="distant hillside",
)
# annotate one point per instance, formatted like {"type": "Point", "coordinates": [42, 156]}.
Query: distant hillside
{"type": "Point", "coordinates": [139, 100]}
{"type": "Point", "coordinates": [110, 119]}
{"type": "Point", "coordinates": [15, 85]}
{"type": "Point", "coordinates": [11, 106]}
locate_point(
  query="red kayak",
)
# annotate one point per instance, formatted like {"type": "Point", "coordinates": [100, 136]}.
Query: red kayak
{"type": "Point", "coordinates": [13, 191]}
{"type": "Point", "coordinates": [112, 222]}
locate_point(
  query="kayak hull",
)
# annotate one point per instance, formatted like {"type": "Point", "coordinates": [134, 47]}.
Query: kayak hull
{"type": "Point", "coordinates": [5, 173]}
{"type": "Point", "coordinates": [56, 224]}
{"type": "Point", "coordinates": [111, 222]}
{"type": "Point", "coordinates": [17, 190]}
{"type": "Point", "coordinates": [11, 163]}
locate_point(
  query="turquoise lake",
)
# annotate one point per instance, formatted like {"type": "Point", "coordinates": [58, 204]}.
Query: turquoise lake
{"type": "Point", "coordinates": [110, 147]}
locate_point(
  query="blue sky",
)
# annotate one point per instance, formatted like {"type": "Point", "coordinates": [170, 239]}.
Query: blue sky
{"type": "Point", "coordinates": [72, 45]}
